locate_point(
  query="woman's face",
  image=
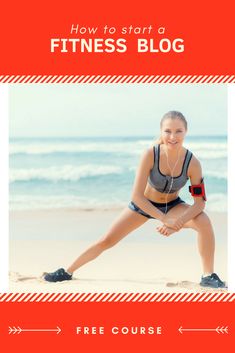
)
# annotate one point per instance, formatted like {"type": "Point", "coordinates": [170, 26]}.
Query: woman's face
{"type": "Point", "coordinates": [173, 132]}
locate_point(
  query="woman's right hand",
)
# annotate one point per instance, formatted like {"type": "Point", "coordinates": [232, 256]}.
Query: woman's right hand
{"type": "Point", "coordinates": [175, 223]}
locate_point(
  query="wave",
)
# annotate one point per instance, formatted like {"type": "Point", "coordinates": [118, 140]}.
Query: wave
{"type": "Point", "coordinates": [75, 173]}
{"type": "Point", "coordinates": [204, 150]}
{"type": "Point", "coordinates": [49, 148]}
{"type": "Point", "coordinates": [207, 145]}
{"type": "Point", "coordinates": [217, 202]}
{"type": "Point", "coordinates": [28, 202]}
{"type": "Point", "coordinates": [221, 174]}
{"type": "Point", "coordinates": [216, 174]}
{"type": "Point", "coordinates": [210, 154]}
{"type": "Point", "coordinates": [65, 173]}
{"type": "Point", "coordinates": [208, 150]}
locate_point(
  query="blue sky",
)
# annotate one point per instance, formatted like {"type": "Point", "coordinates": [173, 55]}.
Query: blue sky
{"type": "Point", "coordinates": [114, 109]}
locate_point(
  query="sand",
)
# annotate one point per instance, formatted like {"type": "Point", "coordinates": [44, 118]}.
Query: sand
{"type": "Point", "coordinates": [144, 261]}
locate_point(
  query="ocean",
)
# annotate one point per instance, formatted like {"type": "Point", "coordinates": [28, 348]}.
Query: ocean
{"type": "Point", "coordinates": [98, 172]}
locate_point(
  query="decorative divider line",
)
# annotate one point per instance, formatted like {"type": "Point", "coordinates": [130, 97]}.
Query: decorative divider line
{"type": "Point", "coordinates": [118, 297]}
{"type": "Point", "coordinates": [13, 79]}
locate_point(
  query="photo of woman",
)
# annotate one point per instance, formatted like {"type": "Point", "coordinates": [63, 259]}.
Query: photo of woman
{"type": "Point", "coordinates": [162, 172]}
{"type": "Point", "coordinates": [132, 169]}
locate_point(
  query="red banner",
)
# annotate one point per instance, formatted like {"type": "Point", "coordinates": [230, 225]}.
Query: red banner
{"type": "Point", "coordinates": [117, 326]}
{"type": "Point", "coordinates": [130, 38]}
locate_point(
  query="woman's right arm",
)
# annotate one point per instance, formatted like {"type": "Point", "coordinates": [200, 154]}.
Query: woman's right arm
{"type": "Point", "coordinates": [141, 178]}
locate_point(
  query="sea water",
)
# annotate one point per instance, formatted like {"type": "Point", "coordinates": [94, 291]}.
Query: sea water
{"type": "Point", "coordinates": [98, 172]}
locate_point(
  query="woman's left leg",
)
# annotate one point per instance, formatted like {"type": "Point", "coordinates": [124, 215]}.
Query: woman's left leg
{"type": "Point", "coordinates": [206, 239]}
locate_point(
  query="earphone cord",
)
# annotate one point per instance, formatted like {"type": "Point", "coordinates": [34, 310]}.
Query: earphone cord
{"type": "Point", "coordinates": [172, 178]}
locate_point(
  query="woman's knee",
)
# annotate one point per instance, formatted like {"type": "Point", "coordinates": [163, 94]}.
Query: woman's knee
{"type": "Point", "coordinates": [201, 221]}
{"type": "Point", "coordinates": [106, 242]}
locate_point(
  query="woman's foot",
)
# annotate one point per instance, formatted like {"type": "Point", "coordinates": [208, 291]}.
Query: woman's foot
{"type": "Point", "coordinates": [58, 276]}
{"type": "Point", "coordinates": [212, 281]}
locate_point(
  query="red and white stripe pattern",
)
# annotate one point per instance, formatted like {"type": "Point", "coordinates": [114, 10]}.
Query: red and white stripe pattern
{"type": "Point", "coordinates": [117, 79]}
{"type": "Point", "coordinates": [119, 297]}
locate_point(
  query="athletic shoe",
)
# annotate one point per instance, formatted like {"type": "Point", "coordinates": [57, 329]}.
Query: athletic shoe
{"type": "Point", "coordinates": [58, 276]}
{"type": "Point", "coordinates": [212, 281]}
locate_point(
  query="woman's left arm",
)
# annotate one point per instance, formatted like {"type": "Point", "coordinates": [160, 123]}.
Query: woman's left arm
{"type": "Point", "coordinates": [195, 175]}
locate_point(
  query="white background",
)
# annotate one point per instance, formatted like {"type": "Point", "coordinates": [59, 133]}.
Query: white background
{"type": "Point", "coordinates": [4, 187]}
{"type": "Point", "coordinates": [231, 187]}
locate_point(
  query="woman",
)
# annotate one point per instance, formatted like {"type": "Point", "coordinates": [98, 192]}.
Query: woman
{"type": "Point", "coordinates": [163, 170]}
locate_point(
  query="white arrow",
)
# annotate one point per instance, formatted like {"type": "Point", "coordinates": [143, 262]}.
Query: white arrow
{"type": "Point", "coordinates": [218, 329]}
{"type": "Point", "coordinates": [19, 330]}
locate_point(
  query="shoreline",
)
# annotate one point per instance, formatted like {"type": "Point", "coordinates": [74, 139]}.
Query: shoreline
{"type": "Point", "coordinates": [88, 209]}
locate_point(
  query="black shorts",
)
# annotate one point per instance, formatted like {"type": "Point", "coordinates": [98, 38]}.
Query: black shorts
{"type": "Point", "coordinates": [163, 207]}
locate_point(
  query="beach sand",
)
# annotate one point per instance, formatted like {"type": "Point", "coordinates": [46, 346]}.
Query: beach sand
{"type": "Point", "coordinates": [144, 261]}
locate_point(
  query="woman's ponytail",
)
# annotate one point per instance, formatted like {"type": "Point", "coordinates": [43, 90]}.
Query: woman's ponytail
{"type": "Point", "coordinates": [159, 141]}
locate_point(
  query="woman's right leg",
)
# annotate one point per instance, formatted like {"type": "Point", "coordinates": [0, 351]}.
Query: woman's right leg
{"type": "Point", "coordinates": [127, 222]}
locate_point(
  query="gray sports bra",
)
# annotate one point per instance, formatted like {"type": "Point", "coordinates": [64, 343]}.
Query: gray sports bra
{"type": "Point", "coordinates": [162, 182]}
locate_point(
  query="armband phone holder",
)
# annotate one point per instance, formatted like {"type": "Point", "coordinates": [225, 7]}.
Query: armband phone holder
{"type": "Point", "coordinates": [198, 190]}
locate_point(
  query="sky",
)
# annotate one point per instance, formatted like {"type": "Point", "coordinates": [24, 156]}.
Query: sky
{"type": "Point", "coordinates": [44, 110]}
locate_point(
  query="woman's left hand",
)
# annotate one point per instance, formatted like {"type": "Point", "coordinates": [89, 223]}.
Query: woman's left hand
{"type": "Point", "coordinates": [166, 231]}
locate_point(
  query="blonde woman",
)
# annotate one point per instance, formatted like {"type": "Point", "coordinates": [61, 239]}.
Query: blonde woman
{"type": "Point", "coordinates": [163, 170]}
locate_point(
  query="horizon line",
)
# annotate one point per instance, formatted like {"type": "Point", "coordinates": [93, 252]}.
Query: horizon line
{"type": "Point", "coordinates": [105, 136]}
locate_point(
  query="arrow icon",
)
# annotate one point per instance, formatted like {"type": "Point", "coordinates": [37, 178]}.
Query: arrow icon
{"type": "Point", "coordinates": [18, 330]}
{"type": "Point", "coordinates": [218, 329]}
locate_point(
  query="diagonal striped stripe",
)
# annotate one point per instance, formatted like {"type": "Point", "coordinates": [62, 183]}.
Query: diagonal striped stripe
{"type": "Point", "coordinates": [20, 79]}
{"type": "Point", "coordinates": [118, 297]}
